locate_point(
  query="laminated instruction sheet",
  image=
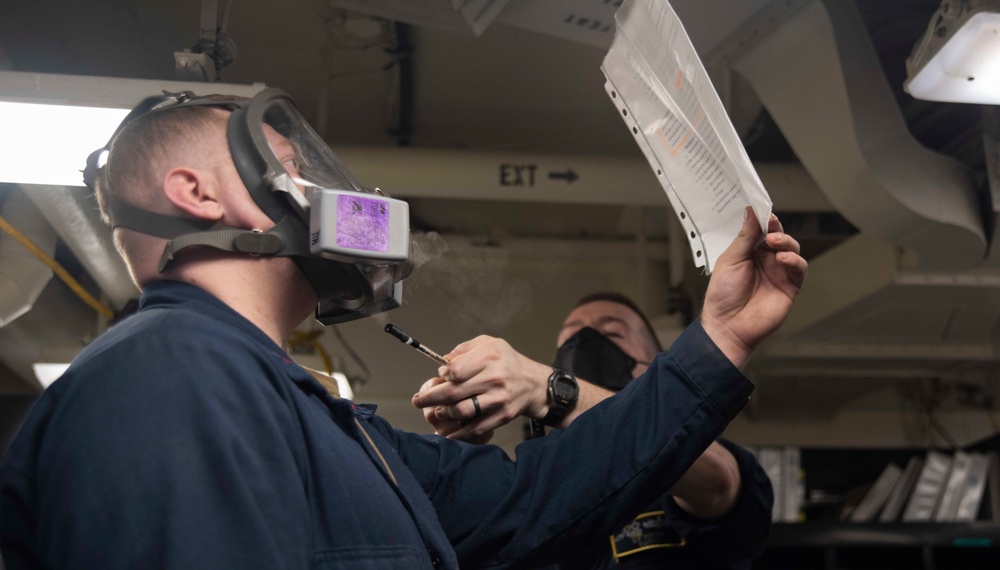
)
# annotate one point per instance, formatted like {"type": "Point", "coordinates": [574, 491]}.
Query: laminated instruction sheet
{"type": "Point", "coordinates": [661, 90]}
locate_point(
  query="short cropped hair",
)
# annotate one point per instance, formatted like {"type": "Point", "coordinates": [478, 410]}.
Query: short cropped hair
{"type": "Point", "coordinates": [140, 156]}
{"type": "Point", "coordinates": [142, 149]}
{"type": "Point", "coordinates": [614, 297]}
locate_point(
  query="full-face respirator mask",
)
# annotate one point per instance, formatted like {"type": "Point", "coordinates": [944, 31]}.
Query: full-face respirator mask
{"type": "Point", "coordinates": [352, 243]}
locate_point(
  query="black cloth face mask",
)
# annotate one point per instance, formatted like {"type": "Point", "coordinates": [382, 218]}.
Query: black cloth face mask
{"type": "Point", "coordinates": [593, 357]}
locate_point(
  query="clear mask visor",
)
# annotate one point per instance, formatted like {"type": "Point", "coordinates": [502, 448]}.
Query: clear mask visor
{"type": "Point", "coordinates": [301, 153]}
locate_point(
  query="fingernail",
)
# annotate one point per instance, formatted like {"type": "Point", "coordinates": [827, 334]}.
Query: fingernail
{"type": "Point", "coordinates": [439, 412]}
{"type": "Point", "coordinates": [747, 215]}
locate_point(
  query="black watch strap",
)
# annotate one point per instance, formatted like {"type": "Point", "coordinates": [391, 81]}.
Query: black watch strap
{"type": "Point", "coordinates": [563, 392]}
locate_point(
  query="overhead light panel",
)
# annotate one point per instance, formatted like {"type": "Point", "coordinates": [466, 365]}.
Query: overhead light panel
{"type": "Point", "coordinates": [51, 123]}
{"type": "Point", "coordinates": [49, 144]}
{"type": "Point", "coordinates": [958, 58]}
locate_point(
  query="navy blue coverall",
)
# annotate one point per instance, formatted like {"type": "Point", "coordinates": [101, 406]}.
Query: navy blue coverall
{"type": "Point", "coordinates": [664, 535]}
{"type": "Point", "coordinates": [185, 438]}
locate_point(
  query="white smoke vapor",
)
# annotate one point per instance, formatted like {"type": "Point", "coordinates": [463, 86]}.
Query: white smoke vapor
{"type": "Point", "coordinates": [482, 295]}
{"type": "Point", "coordinates": [426, 247]}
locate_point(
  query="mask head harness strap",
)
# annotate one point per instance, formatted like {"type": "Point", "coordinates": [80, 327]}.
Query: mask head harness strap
{"type": "Point", "coordinates": [351, 286]}
{"type": "Point", "coordinates": [183, 233]}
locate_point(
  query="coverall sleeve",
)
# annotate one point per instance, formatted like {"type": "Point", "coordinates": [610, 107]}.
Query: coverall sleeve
{"type": "Point", "coordinates": [734, 540]}
{"type": "Point", "coordinates": [574, 487]}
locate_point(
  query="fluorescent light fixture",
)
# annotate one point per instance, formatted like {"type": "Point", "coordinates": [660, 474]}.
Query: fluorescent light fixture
{"type": "Point", "coordinates": [49, 144]}
{"type": "Point", "coordinates": [51, 123]}
{"type": "Point", "coordinates": [958, 59]}
{"type": "Point", "coordinates": [49, 372]}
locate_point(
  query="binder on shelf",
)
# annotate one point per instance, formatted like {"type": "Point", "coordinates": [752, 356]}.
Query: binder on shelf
{"type": "Point", "coordinates": [975, 485]}
{"type": "Point", "coordinates": [853, 498]}
{"type": "Point", "coordinates": [794, 485]}
{"type": "Point", "coordinates": [927, 492]}
{"type": "Point", "coordinates": [877, 495]}
{"type": "Point", "coordinates": [771, 460]}
{"type": "Point", "coordinates": [901, 491]}
{"type": "Point", "coordinates": [947, 506]}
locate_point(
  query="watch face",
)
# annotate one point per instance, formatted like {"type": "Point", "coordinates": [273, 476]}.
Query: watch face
{"type": "Point", "coordinates": [564, 389]}
{"type": "Point", "coordinates": [562, 392]}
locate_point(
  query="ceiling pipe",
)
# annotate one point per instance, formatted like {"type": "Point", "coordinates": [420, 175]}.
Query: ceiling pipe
{"type": "Point", "coordinates": [404, 117]}
{"type": "Point", "coordinates": [22, 275]}
{"type": "Point", "coordinates": [74, 215]}
{"type": "Point", "coordinates": [415, 172]}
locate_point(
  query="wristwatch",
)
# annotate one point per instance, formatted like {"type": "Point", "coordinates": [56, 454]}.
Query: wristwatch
{"type": "Point", "coordinates": [563, 393]}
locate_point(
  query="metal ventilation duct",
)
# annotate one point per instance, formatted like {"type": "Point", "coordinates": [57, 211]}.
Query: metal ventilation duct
{"type": "Point", "coordinates": [74, 215]}
{"type": "Point", "coordinates": [910, 296]}
{"type": "Point", "coordinates": [819, 77]}
{"type": "Point", "coordinates": [22, 275]}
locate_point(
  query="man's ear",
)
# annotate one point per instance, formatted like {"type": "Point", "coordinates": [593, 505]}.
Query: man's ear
{"type": "Point", "coordinates": [195, 192]}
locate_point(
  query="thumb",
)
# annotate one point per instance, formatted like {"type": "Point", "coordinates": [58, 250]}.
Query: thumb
{"type": "Point", "coordinates": [745, 242]}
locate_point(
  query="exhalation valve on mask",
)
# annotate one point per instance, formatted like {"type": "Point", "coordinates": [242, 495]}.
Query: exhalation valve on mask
{"type": "Point", "coordinates": [356, 240]}
{"type": "Point", "coordinates": [369, 230]}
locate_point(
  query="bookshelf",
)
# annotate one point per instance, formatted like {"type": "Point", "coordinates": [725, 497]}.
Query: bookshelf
{"type": "Point", "coordinates": [823, 541]}
{"type": "Point", "coordinates": [881, 546]}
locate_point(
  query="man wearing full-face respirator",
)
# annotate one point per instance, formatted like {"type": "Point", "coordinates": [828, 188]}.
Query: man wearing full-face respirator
{"type": "Point", "coordinates": [351, 243]}
{"type": "Point", "coordinates": [185, 437]}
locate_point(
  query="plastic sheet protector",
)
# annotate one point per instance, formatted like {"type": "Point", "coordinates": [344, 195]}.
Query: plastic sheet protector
{"type": "Point", "coordinates": [662, 91]}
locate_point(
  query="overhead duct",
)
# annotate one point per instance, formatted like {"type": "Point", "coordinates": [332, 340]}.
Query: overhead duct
{"type": "Point", "coordinates": [867, 310]}
{"type": "Point", "coordinates": [74, 215]}
{"type": "Point", "coordinates": [22, 275]}
{"type": "Point", "coordinates": [819, 77]}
